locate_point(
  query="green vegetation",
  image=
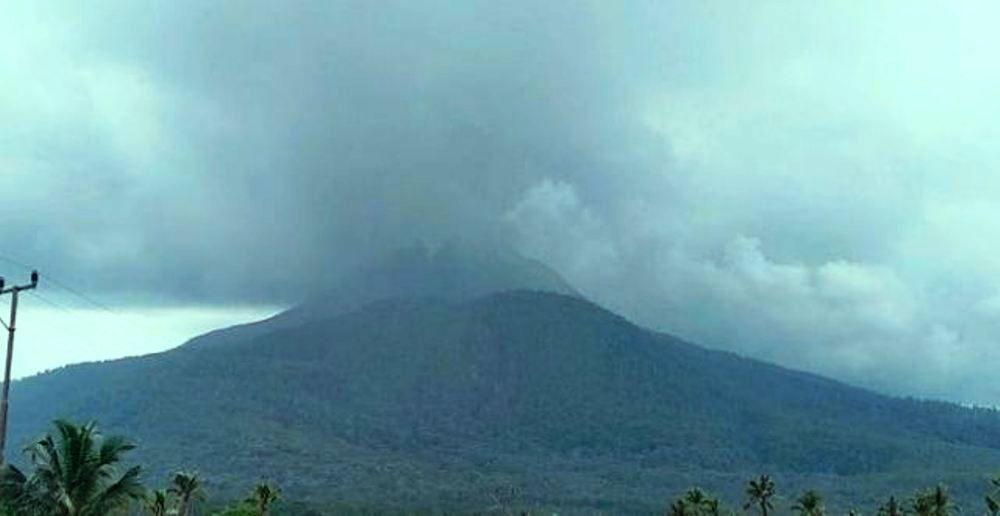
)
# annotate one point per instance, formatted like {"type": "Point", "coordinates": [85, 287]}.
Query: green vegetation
{"type": "Point", "coordinates": [891, 508]}
{"type": "Point", "coordinates": [809, 504]}
{"type": "Point", "coordinates": [77, 471]}
{"type": "Point", "coordinates": [187, 488]}
{"type": "Point", "coordinates": [696, 503]}
{"type": "Point", "coordinates": [759, 493]}
{"type": "Point", "coordinates": [263, 496]}
{"type": "Point", "coordinates": [156, 503]}
{"type": "Point", "coordinates": [434, 404]}
{"type": "Point", "coordinates": [761, 490]}
{"type": "Point", "coordinates": [933, 502]}
{"type": "Point", "coordinates": [993, 497]}
{"type": "Point", "coordinates": [75, 474]}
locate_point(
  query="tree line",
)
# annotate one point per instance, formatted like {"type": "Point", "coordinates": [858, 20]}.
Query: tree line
{"type": "Point", "coordinates": [760, 494]}
{"type": "Point", "coordinates": [77, 471]}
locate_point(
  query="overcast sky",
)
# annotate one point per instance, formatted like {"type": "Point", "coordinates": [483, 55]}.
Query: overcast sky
{"type": "Point", "coordinates": [811, 183]}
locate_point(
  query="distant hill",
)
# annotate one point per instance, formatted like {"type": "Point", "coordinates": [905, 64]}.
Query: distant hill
{"type": "Point", "coordinates": [427, 382]}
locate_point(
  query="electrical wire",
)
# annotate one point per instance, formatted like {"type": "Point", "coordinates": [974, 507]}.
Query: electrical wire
{"type": "Point", "coordinates": [49, 279]}
{"type": "Point", "coordinates": [49, 302]}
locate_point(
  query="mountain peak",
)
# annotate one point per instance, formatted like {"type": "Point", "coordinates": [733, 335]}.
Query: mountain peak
{"type": "Point", "coordinates": [455, 271]}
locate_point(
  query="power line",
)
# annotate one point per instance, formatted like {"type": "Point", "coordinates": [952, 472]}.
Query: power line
{"type": "Point", "coordinates": [49, 302]}
{"type": "Point", "coordinates": [62, 285]}
{"type": "Point", "coordinates": [10, 260]}
{"type": "Point", "coordinates": [81, 295]}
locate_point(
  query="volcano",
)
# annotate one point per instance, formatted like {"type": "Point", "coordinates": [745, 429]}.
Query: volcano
{"type": "Point", "coordinates": [435, 378]}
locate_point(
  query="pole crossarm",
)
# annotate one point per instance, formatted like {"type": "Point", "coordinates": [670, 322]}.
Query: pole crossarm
{"type": "Point", "coordinates": [18, 288]}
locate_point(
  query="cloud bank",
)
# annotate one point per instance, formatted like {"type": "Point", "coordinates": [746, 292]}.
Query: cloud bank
{"type": "Point", "coordinates": [813, 184]}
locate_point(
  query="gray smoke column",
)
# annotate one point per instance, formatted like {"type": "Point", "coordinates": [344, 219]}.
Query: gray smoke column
{"type": "Point", "coordinates": [246, 148]}
{"type": "Point", "coordinates": [810, 184]}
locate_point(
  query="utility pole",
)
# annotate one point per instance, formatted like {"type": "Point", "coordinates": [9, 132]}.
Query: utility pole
{"type": "Point", "coordinates": [14, 290]}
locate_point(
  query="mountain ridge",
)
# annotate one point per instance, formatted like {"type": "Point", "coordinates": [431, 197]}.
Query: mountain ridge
{"type": "Point", "coordinates": [427, 401]}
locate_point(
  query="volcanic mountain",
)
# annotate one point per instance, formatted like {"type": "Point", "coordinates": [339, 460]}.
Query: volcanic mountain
{"type": "Point", "coordinates": [436, 378]}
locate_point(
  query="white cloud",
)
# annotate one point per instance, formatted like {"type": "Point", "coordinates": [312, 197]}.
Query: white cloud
{"type": "Point", "coordinates": [860, 322]}
{"type": "Point", "coordinates": [551, 218]}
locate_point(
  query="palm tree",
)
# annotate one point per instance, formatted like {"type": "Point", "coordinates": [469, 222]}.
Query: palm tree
{"type": "Point", "coordinates": [935, 502]}
{"type": "Point", "coordinates": [695, 496]}
{"type": "Point", "coordinates": [712, 507]}
{"type": "Point", "coordinates": [993, 499]}
{"type": "Point", "coordinates": [759, 493]}
{"type": "Point", "coordinates": [695, 503]}
{"type": "Point", "coordinates": [809, 504]}
{"type": "Point", "coordinates": [262, 497]}
{"type": "Point", "coordinates": [156, 503]}
{"type": "Point", "coordinates": [187, 487]}
{"type": "Point", "coordinates": [678, 508]}
{"type": "Point", "coordinates": [76, 473]}
{"type": "Point", "coordinates": [891, 508]}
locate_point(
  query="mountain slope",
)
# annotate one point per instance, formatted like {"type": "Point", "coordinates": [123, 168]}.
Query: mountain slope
{"type": "Point", "coordinates": [455, 272]}
{"type": "Point", "coordinates": [435, 400]}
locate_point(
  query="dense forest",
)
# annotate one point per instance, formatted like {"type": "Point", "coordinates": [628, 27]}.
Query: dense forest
{"type": "Point", "coordinates": [432, 403]}
{"type": "Point", "coordinates": [78, 471]}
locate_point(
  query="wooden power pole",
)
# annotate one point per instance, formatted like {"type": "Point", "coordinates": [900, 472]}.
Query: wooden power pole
{"type": "Point", "coordinates": [14, 291]}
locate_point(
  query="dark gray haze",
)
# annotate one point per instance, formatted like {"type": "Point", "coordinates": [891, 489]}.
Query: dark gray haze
{"type": "Point", "coordinates": [811, 185]}
{"type": "Point", "coordinates": [248, 149]}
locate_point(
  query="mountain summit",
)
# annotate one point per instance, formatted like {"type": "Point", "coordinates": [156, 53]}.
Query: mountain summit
{"type": "Point", "coordinates": [435, 378]}
{"type": "Point", "coordinates": [453, 272]}
{"type": "Point", "coordinates": [456, 271]}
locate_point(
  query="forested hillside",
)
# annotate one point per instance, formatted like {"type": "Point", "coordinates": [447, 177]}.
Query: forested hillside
{"type": "Point", "coordinates": [423, 403]}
